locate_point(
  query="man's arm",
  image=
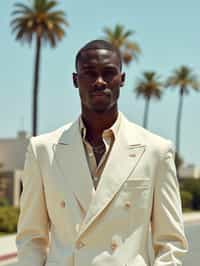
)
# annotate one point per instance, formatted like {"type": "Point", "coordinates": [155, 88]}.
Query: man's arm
{"type": "Point", "coordinates": [33, 225]}
{"type": "Point", "coordinates": [168, 236]}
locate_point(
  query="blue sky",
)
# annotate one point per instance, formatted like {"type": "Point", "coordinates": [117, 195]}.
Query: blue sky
{"type": "Point", "coordinates": [169, 36]}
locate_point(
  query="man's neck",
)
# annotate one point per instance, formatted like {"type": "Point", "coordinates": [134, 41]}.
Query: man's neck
{"type": "Point", "coordinates": [96, 123]}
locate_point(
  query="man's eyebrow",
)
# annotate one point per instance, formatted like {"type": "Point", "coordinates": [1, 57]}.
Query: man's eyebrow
{"type": "Point", "coordinates": [88, 66]}
{"type": "Point", "coordinates": [91, 66]}
{"type": "Point", "coordinates": [110, 66]}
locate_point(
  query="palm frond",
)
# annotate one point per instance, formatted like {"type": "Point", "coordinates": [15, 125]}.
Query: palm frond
{"type": "Point", "coordinates": [39, 5]}
{"type": "Point", "coordinates": [108, 32]}
{"type": "Point", "coordinates": [118, 30]}
{"type": "Point", "coordinates": [59, 20]}
{"type": "Point", "coordinates": [21, 12]}
{"type": "Point", "coordinates": [183, 78]}
{"type": "Point", "coordinates": [39, 19]}
{"type": "Point", "coordinates": [133, 46]}
{"type": "Point", "coordinates": [119, 37]}
{"type": "Point", "coordinates": [128, 34]}
{"type": "Point", "coordinates": [20, 6]}
{"type": "Point", "coordinates": [49, 37]}
{"type": "Point", "coordinates": [59, 13]}
{"type": "Point", "coordinates": [50, 5]}
{"type": "Point", "coordinates": [149, 85]}
{"type": "Point", "coordinates": [16, 21]}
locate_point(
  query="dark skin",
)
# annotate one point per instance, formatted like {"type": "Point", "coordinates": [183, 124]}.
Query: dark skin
{"type": "Point", "coordinates": [99, 79]}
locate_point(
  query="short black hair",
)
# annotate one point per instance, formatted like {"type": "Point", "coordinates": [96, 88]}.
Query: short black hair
{"type": "Point", "coordinates": [98, 44]}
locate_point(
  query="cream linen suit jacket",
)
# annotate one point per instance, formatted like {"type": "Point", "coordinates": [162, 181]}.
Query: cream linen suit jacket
{"type": "Point", "coordinates": [137, 193]}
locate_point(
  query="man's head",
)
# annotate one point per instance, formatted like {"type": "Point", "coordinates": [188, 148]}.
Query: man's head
{"type": "Point", "coordinates": [98, 77]}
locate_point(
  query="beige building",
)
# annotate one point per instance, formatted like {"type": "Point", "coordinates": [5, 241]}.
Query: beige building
{"type": "Point", "coordinates": [189, 171]}
{"type": "Point", "coordinates": [12, 156]}
{"type": "Point", "coordinates": [12, 152]}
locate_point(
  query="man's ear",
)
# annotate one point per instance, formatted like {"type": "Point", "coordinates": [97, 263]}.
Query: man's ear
{"type": "Point", "coordinates": [75, 80]}
{"type": "Point", "coordinates": [123, 76]}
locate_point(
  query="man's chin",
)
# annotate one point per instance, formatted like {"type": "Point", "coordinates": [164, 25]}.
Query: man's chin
{"type": "Point", "coordinates": [101, 109]}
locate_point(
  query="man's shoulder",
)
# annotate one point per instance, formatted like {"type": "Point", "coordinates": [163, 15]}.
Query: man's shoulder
{"type": "Point", "coordinates": [51, 137]}
{"type": "Point", "coordinates": [148, 137]}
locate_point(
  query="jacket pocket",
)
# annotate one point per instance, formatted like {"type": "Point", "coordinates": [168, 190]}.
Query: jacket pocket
{"type": "Point", "coordinates": [52, 262]}
{"type": "Point", "coordinates": [136, 184]}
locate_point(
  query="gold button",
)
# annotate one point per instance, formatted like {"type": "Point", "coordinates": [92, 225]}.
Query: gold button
{"type": "Point", "coordinates": [128, 204]}
{"type": "Point", "coordinates": [62, 204]}
{"type": "Point", "coordinates": [79, 244]}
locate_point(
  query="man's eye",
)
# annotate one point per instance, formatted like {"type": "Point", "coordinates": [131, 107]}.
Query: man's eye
{"type": "Point", "coordinates": [109, 74]}
{"type": "Point", "coordinates": [90, 73]}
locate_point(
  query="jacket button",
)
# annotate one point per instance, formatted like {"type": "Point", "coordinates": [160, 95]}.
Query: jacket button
{"type": "Point", "coordinates": [114, 246]}
{"type": "Point", "coordinates": [127, 204]}
{"type": "Point", "coordinates": [80, 244]}
{"type": "Point", "coordinates": [62, 204]}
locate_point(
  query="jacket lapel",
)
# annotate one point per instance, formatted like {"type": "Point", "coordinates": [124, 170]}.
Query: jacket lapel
{"type": "Point", "coordinates": [123, 159]}
{"type": "Point", "coordinates": [72, 162]}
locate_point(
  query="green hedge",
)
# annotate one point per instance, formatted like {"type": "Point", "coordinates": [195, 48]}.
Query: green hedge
{"type": "Point", "coordinates": [4, 202]}
{"type": "Point", "coordinates": [8, 219]}
{"type": "Point", "coordinates": [191, 186]}
{"type": "Point", "coordinates": [186, 198]}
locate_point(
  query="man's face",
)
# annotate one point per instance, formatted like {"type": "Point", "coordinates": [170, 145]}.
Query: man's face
{"type": "Point", "coordinates": [99, 79]}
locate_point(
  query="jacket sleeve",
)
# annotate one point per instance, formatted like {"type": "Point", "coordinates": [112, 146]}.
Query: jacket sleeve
{"type": "Point", "coordinates": [33, 224]}
{"type": "Point", "coordinates": [169, 241]}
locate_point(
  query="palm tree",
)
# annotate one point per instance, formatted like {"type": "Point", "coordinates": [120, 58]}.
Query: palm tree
{"type": "Point", "coordinates": [149, 86]}
{"type": "Point", "coordinates": [182, 78]}
{"type": "Point", "coordinates": [119, 37]}
{"type": "Point", "coordinates": [38, 21]}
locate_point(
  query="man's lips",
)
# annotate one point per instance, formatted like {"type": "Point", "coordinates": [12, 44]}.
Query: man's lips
{"type": "Point", "coordinates": [98, 94]}
{"type": "Point", "coordinates": [105, 92]}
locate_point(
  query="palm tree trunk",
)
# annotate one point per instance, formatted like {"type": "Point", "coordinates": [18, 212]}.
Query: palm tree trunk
{"type": "Point", "coordinates": [35, 87]}
{"type": "Point", "coordinates": [146, 112]}
{"type": "Point", "coordinates": [178, 130]}
{"type": "Point", "coordinates": [178, 121]}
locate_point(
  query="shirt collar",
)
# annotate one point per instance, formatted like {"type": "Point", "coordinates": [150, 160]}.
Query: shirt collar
{"type": "Point", "coordinates": [113, 130]}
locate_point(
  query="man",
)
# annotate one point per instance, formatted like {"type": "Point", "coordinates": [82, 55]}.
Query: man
{"type": "Point", "coordinates": [101, 185]}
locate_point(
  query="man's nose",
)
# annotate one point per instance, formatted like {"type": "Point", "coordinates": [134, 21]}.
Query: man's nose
{"type": "Point", "coordinates": [100, 82]}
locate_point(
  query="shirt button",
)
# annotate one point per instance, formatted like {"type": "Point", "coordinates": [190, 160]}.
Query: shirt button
{"type": "Point", "coordinates": [115, 242]}
{"type": "Point", "coordinates": [80, 244]}
{"type": "Point", "coordinates": [96, 178]}
{"type": "Point", "coordinates": [114, 246]}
